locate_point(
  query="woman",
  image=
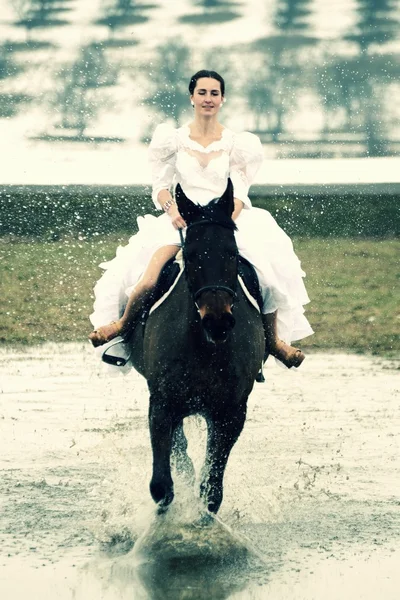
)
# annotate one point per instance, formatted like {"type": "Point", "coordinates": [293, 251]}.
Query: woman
{"type": "Point", "coordinates": [200, 156]}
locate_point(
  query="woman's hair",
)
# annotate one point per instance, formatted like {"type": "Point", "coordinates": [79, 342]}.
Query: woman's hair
{"type": "Point", "coordinates": [206, 73]}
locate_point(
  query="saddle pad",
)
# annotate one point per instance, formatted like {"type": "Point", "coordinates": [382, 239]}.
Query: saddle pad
{"type": "Point", "coordinates": [173, 270]}
{"type": "Point", "coordinates": [168, 279]}
{"type": "Point", "coordinates": [249, 281]}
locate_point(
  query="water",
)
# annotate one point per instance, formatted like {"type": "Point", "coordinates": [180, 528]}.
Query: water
{"type": "Point", "coordinates": [312, 488]}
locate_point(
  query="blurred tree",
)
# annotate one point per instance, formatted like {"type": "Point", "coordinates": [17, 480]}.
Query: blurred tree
{"type": "Point", "coordinates": [377, 23]}
{"type": "Point", "coordinates": [77, 100]}
{"type": "Point", "coordinates": [11, 102]}
{"type": "Point", "coordinates": [224, 62]}
{"type": "Point", "coordinates": [291, 15]}
{"type": "Point", "coordinates": [8, 67]}
{"type": "Point", "coordinates": [353, 93]}
{"type": "Point", "coordinates": [214, 4]}
{"type": "Point", "coordinates": [274, 89]}
{"type": "Point", "coordinates": [167, 75]}
{"type": "Point", "coordinates": [39, 14]}
{"type": "Point", "coordinates": [122, 13]}
{"type": "Point", "coordinates": [213, 11]}
{"type": "Point", "coordinates": [92, 70]}
{"type": "Point", "coordinates": [335, 83]}
{"type": "Point", "coordinates": [353, 90]}
{"type": "Point", "coordinates": [75, 109]}
{"type": "Point", "coordinates": [261, 95]}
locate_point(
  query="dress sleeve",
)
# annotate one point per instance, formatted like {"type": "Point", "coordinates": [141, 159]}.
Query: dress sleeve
{"type": "Point", "coordinates": [162, 156]}
{"type": "Point", "coordinates": [245, 159]}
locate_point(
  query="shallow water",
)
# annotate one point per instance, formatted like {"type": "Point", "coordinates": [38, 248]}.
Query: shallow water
{"type": "Point", "coordinates": [312, 489]}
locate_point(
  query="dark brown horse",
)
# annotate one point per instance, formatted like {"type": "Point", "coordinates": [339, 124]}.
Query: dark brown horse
{"type": "Point", "coordinates": [200, 352]}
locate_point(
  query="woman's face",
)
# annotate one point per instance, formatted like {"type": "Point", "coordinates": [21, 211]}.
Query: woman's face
{"type": "Point", "coordinates": [207, 98]}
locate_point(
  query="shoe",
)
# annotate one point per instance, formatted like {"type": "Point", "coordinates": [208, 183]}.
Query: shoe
{"type": "Point", "coordinates": [288, 355]}
{"type": "Point", "coordinates": [260, 377]}
{"type": "Point", "coordinates": [105, 334]}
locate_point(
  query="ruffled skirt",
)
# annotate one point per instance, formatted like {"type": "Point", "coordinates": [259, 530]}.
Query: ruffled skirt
{"type": "Point", "coordinates": [259, 239]}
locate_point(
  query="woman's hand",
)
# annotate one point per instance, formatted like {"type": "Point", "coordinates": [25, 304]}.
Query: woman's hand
{"type": "Point", "coordinates": [177, 220]}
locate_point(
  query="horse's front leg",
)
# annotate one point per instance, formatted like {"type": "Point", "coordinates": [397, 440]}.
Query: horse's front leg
{"type": "Point", "coordinates": [161, 432]}
{"type": "Point", "coordinates": [223, 431]}
{"type": "Point", "coordinates": [180, 457]}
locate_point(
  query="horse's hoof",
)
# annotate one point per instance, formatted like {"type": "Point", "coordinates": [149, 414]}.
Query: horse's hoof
{"type": "Point", "coordinates": [206, 520]}
{"type": "Point", "coordinates": [163, 505]}
{"type": "Point", "coordinates": [162, 509]}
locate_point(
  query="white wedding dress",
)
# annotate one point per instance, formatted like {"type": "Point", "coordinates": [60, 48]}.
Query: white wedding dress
{"type": "Point", "coordinates": [203, 173]}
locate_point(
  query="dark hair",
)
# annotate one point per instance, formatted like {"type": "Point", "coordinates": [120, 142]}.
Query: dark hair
{"type": "Point", "coordinates": [206, 73]}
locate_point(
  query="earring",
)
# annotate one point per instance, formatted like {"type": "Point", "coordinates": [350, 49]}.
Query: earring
{"type": "Point", "coordinates": [192, 103]}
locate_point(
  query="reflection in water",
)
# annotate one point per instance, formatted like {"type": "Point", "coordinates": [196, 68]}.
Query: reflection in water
{"type": "Point", "coordinates": [366, 78]}
{"type": "Point", "coordinates": [75, 448]}
{"type": "Point", "coordinates": [352, 92]}
{"type": "Point", "coordinates": [376, 23]}
{"type": "Point", "coordinates": [283, 77]}
{"type": "Point", "coordinates": [167, 91]}
{"type": "Point", "coordinates": [78, 99]}
{"type": "Point", "coordinates": [176, 560]}
{"type": "Point", "coordinates": [192, 579]}
{"type": "Point", "coordinates": [357, 102]}
{"type": "Point", "coordinates": [40, 14]}
{"type": "Point", "coordinates": [307, 94]}
{"type": "Point", "coordinates": [123, 13]}
{"type": "Point", "coordinates": [10, 103]}
{"type": "Point", "coordinates": [291, 15]}
{"type": "Point", "coordinates": [212, 12]}
{"type": "Point", "coordinates": [8, 66]}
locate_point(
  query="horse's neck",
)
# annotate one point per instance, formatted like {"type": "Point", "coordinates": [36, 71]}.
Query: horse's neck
{"type": "Point", "coordinates": [181, 300]}
{"type": "Point", "coordinates": [178, 310]}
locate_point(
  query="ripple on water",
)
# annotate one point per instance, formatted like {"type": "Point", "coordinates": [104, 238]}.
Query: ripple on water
{"type": "Point", "coordinates": [313, 480]}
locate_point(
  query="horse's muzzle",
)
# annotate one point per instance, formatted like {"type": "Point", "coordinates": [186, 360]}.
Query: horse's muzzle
{"type": "Point", "coordinates": [217, 328]}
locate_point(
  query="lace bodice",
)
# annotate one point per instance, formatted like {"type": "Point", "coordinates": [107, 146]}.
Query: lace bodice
{"type": "Point", "coordinates": [203, 171]}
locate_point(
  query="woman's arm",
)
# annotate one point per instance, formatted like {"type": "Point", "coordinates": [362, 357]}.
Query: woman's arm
{"type": "Point", "coordinates": [238, 208]}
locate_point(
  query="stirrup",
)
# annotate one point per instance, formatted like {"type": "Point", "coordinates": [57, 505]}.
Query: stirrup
{"type": "Point", "coordinates": [110, 359]}
{"type": "Point", "coordinates": [260, 375]}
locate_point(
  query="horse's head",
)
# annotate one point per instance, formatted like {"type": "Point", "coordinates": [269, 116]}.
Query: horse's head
{"type": "Point", "coordinates": [210, 256]}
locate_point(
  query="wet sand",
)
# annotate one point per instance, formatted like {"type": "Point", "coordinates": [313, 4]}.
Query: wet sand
{"type": "Point", "coordinates": [312, 489]}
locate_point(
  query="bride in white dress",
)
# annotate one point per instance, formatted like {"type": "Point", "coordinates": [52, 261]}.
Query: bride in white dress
{"type": "Point", "coordinates": [201, 156]}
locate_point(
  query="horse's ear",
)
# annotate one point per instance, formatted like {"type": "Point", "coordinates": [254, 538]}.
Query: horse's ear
{"type": "Point", "coordinates": [226, 200]}
{"type": "Point", "coordinates": [189, 211]}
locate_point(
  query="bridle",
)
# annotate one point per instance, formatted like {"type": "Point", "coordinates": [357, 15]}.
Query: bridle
{"type": "Point", "coordinates": [214, 288]}
{"type": "Point", "coordinates": [120, 361]}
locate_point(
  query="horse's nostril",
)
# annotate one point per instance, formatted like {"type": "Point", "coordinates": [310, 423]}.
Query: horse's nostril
{"type": "Point", "coordinates": [218, 328]}
{"type": "Point", "coordinates": [230, 320]}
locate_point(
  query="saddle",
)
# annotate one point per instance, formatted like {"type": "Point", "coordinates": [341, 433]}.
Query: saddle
{"type": "Point", "coordinates": [172, 269]}
{"type": "Point", "coordinates": [249, 277]}
{"type": "Point", "coordinates": [168, 276]}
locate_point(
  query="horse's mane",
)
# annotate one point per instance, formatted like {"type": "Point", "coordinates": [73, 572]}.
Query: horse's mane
{"type": "Point", "coordinates": [215, 214]}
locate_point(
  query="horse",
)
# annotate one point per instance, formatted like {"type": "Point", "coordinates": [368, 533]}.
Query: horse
{"type": "Point", "coordinates": [200, 352]}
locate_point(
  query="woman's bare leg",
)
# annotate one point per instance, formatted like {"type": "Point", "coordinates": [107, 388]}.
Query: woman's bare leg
{"type": "Point", "coordinates": [288, 355]}
{"type": "Point", "coordinates": [137, 299]}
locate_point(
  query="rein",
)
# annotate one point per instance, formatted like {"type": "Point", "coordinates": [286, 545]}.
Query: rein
{"type": "Point", "coordinates": [207, 288]}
